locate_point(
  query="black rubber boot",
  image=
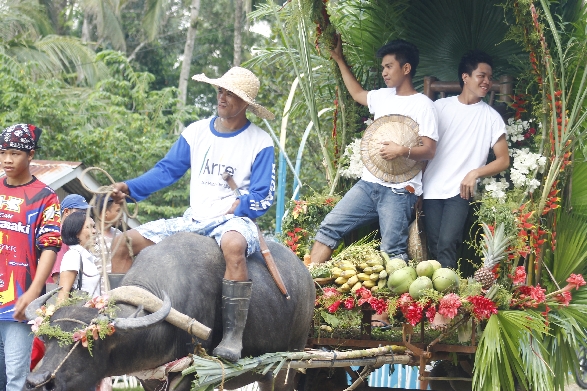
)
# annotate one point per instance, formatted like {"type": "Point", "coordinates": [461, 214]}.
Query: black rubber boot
{"type": "Point", "coordinates": [236, 296]}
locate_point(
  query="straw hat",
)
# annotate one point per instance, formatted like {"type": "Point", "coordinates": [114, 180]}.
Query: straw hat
{"type": "Point", "coordinates": [244, 84]}
{"type": "Point", "coordinates": [399, 129]}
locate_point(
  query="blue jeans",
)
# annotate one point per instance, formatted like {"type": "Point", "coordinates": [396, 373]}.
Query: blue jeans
{"type": "Point", "coordinates": [444, 221]}
{"type": "Point", "coordinates": [368, 202]}
{"type": "Point", "coordinates": [16, 344]}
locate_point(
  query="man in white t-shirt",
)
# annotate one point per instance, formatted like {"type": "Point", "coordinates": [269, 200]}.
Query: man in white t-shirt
{"type": "Point", "coordinates": [467, 128]}
{"type": "Point", "coordinates": [229, 143]}
{"type": "Point", "coordinates": [372, 199]}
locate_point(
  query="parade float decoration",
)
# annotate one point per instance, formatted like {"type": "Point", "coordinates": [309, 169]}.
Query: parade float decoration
{"type": "Point", "coordinates": [523, 310]}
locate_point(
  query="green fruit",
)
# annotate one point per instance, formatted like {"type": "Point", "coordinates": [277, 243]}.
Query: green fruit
{"type": "Point", "coordinates": [418, 286]}
{"type": "Point", "coordinates": [425, 268]}
{"type": "Point", "coordinates": [394, 264]}
{"type": "Point", "coordinates": [445, 279]}
{"type": "Point", "coordinates": [435, 264]}
{"type": "Point", "coordinates": [382, 283]}
{"type": "Point", "coordinates": [399, 282]}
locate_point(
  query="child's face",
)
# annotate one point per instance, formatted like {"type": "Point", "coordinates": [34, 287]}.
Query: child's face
{"type": "Point", "coordinates": [15, 162]}
{"type": "Point", "coordinates": [479, 81]}
{"type": "Point", "coordinates": [393, 73]}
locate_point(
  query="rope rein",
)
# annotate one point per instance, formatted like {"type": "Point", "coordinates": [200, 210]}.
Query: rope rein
{"type": "Point", "coordinates": [107, 191]}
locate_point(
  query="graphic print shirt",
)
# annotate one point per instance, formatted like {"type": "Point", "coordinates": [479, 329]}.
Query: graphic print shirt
{"type": "Point", "coordinates": [246, 153]}
{"type": "Point", "coordinates": [30, 221]}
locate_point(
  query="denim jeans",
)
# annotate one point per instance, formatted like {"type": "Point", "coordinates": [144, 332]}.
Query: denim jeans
{"type": "Point", "coordinates": [368, 202]}
{"type": "Point", "coordinates": [16, 344]}
{"type": "Point", "coordinates": [444, 221]}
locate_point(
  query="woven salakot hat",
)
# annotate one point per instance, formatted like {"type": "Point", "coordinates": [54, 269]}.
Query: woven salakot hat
{"type": "Point", "coordinates": [399, 129]}
{"type": "Point", "coordinates": [244, 84]}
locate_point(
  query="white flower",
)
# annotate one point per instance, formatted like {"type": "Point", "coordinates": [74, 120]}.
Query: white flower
{"type": "Point", "coordinates": [352, 154]}
{"type": "Point", "coordinates": [495, 189]}
{"type": "Point", "coordinates": [524, 165]}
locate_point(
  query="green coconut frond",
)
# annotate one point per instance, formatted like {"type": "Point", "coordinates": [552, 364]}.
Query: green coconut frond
{"type": "Point", "coordinates": [499, 362]}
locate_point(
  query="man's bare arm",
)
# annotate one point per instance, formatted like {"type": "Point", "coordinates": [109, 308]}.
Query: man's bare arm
{"type": "Point", "coordinates": [390, 150]}
{"type": "Point", "coordinates": [44, 267]}
{"type": "Point", "coordinates": [350, 81]}
{"type": "Point", "coordinates": [501, 162]}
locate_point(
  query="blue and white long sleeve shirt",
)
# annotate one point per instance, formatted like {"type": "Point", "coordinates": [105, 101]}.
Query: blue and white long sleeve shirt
{"type": "Point", "coordinates": [247, 153]}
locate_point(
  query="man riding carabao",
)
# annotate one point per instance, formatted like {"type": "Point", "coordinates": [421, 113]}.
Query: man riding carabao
{"type": "Point", "coordinates": [230, 143]}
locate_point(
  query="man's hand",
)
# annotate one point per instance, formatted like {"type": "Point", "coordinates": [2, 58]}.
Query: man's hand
{"type": "Point", "coordinates": [468, 185]}
{"type": "Point", "coordinates": [120, 192]}
{"type": "Point", "coordinates": [233, 207]}
{"type": "Point", "coordinates": [390, 150]}
{"type": "Point", "coordinates": [336, 53]}
{"type": "Point", "coordinates": [21, 304]}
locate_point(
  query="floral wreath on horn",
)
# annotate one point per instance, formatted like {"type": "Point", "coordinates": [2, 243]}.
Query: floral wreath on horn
{"type": "Point", "coordinates": [99, 327]}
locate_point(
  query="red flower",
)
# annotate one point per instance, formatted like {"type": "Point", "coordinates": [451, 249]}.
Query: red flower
{"type": "Point", "coordinates": [379, 305]}
{"type": "Point", "coordinates": [297, 229]}
{"type": "Point", "coordinates": [364, 294]}
{"type": "Point", "coordinates": [519, 275]}
{"type": "Point", "coordinates": [413, 313]}
{"type": "Point", "coordinates": [404, 301]}
{"type": "Point", "coordinates": [449, 305]}
{"type": "Point", "coordinates": [575, 281]}
{"type": "Point", "coordinates": [330, 292]}
{"type": "Point", "coordinates": [334, 307]}
{"type": "Point", "coordinates": [349, 303]}
{"type": "Point", "coordinates": [564, 298]}
{"type": "Point", "coordinates": [483, 308]}
{"type": "Point", "coordinates": [431, 313]}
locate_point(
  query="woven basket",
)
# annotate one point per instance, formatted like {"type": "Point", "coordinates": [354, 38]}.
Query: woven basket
{"type": "Point", "coordinates": [397, 128]}
{"type": "Point", "coordinates": [417, 240]}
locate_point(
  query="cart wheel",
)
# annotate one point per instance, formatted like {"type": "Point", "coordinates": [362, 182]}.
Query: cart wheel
{"type": "Point", "coordinates": [581, 371]}
{"type": "Point", "coordinates": [323, 379]}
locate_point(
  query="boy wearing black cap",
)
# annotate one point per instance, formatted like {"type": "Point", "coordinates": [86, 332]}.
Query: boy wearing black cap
{"type": "Point", "coordinates": [29, 240]}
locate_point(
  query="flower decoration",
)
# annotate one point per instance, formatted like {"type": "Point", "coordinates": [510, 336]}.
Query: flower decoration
{"type": "Point", "coordinates": [519, 276]}
{"type": "Point", "coordinates": [99, 328]}
{"type": "Point", "coordinates": [482, 308]}
{"type": "Point", "coordinates": [449, 305]}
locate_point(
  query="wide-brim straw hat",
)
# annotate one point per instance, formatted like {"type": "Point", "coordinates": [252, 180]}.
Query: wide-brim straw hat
{"type": "Point", "coordinates": [397, 128]}
{"type": "Point", "coordinates": [244, 84]}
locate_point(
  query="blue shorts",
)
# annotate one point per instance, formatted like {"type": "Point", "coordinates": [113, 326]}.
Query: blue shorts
{"type": "Point", "coordinates": [158, 230]}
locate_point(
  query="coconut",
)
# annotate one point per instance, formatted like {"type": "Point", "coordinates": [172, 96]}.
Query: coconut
{"type": "Point", "coordinates": [394, 264]}
{"type": "Point", "coordinates": [445, 279]}
{"type": "Point", "coordinates": [425, 268]}
{"type": "Point", "coordinates": [399, 282]}
{"type": "Point", "coordinates": [435, 264]}
{"type": "Point", "coordinates": [419, 285]}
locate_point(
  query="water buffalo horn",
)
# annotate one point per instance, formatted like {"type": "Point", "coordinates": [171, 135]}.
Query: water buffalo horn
{"type": "Point", "coordinates": [138, 296]}
{"type": "Point", "coordinates": [31, 310]}
{"type": "Point", "coordinates": [145, 321]}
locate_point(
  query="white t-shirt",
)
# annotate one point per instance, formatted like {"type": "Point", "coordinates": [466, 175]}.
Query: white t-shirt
{"type": "Point", "coordinates": [466, 134]}
{"type": "Point", "coordinates": [419, 108]}
{"type": "Point", "coordinates": [91, 276]}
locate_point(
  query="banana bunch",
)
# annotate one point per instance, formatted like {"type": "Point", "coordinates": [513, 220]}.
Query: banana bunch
{"type": "Point", "coordinates": [370, 274]}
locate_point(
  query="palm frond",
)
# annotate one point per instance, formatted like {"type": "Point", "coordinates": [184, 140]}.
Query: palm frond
{"type": "Point", "coordinates": [498, 360]}
{"type": "Point", "coordinates": [571, 250]}
{"type": "Point", "coordinates": [579, 186]}
{"type": "Point", "coordinates": [107, 16]}
{"type": "Point", "coordinates": [443, 30]}
{"type": "Point", "coordinates": [155, 11]}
